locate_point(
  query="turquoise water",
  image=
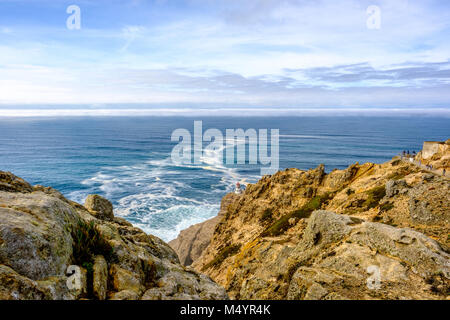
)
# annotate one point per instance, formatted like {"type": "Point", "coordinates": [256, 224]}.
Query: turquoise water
{"type": "Point", "coordinates": [128, 161]}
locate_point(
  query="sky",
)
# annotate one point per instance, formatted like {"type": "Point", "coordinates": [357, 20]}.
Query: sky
{"type": "Point", "coordinates": [299, 54]}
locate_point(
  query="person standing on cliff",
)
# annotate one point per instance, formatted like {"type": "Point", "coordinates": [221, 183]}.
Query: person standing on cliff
{"type": "Point", "coordinates": [238, 189]}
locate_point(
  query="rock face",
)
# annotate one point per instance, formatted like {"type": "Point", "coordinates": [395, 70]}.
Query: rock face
{"type": "Point", "coordinates": [192, 241]}
{"type": "Point", "coordinates": [100, 278]}
{"type": "Point", "coordinates": [99, 207]}
{"type": "Point", "coordinates": [371, 231]}
{"type": "Point", "coordinates": [42, 234]}
{"type": "Point", "coordinates": [435, 153]}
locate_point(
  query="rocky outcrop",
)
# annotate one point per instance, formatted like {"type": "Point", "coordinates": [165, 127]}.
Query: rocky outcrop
{"type": "Point", "coordinates": [436, 154]}
{"type": "Point", "coordinates": [99, 207]}
{"type": "Point", "coordinates": [312, 235]}
{"type": "Point", "coordinates": [100, 278]}
{"type": "Point", "coordinates": [192, 241]}
{"type": "Point", "coordinates": [43, 236]}
{"type": "Point", "coordinates": [340, 257]}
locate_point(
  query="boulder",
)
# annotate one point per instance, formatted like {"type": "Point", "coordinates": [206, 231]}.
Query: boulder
{"type": "Point", "coordinates": [124, 295]}
{"type": "Point", "coordinates": [394, 187]}
{"type": "Point", "coordinates": [100, 278]}
{"type": "Point", "coordinates": [77, 281]}
{"type": "Point", "coordinates": [12, 183]}
{"type": "Point", "coordinates": [42, 234]}
{"type": "Point", "coordinates": [123, 279]}
{"type": "Point", "coordinates": [100, 207]}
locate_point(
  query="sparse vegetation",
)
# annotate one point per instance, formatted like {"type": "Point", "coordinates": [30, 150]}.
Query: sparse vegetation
{"type": "Point", "coordinates": [266, 215]}
{"type": "Point", "coordinates": [88, 242]}
{"type": "Point", "coordinates": [438, 283]}
{"type": "Point", "coordinates": [386, 206]}
{"type": "Point", "coordinates": [282, 224]}
{"type": "Point", "coordinates": [399, 174]}
{"type": "Point", "coordinates": [349, 191]}
{"type": "Point", "coordinates": [377, 218]}
{"type": "Point", "coordinates": [374, 196]}
{"type": "Point", "coordinates": [222, 255]}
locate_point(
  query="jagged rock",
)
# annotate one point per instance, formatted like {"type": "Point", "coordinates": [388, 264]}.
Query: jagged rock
{"type": "Point", "coordinates": [12, 183]}
{"type": "Point", "coordinates": [123, 279]}
{"type": "Point", "coordinates": [125, 295]}
{"type": "Point", "coordinates": [333, 258]}
{"type": "Point", "coordinates": [34, 234]}
{"type": "Point", "coordinates": [77, 282]}
{"type": "Point", "coordinates": [394, 187]}
{"type": "Point", "coordinates": [39, 240]}
{"type": "Point", "coordinates": [429, 203]}
{"type": "Point", "coordinates": [13, 286]}
{"type": "Point", "coordinates": [256, 252]}
{"type": "Point", "coordinates": [191, 242]}
{"type": "Point", "coordinates": [100, 277]}
{"type": "Point", "coordinates": [435, 153]}
{"type": "Point", "coordinates": [100, 207]}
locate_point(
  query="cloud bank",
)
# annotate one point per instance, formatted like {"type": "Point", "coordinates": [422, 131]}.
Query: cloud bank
{"type": "Point", "coordinates": [227, 54]}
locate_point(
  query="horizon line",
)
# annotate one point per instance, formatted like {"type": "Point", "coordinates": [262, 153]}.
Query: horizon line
{"type": "Point", "coordinates": [221, 111]}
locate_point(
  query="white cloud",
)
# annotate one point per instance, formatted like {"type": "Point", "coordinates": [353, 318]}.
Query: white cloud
{"type": "Point", "coordinates": [234, 52]}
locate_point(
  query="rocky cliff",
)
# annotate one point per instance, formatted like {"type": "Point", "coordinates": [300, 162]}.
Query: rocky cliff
{"type": "Point", "coordinates": [192, 241]}
{"type": "Point", "coordinates": [436, 154]}
{"type": "Point", "coordinates": [371, 231]}
{"type": "Point", "coordinates": [44, 236]}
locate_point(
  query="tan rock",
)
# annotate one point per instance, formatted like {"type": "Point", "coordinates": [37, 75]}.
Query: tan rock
{"type": "Point", "coordinates": [124, 295]}
{"type": "Point", "coordinates": [123, 279]}
{"type": "Point", "coordinates": [42, 233]}
{"type": "Point", "coordinates": [191, 242]}
{"type": "Point", "coordinates": [77, 281]}
{"type": "Point", "coordinates": [100, 278]}
{"type": "Point", "coordinates": [298, 260]}
{"type": "Point", "coordinates": [100, 207]}
{"type": "Point", "coordinates": [12, 183]}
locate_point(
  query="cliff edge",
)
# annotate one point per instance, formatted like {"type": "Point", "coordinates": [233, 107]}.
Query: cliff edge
{"type": "Point", "coordinates": [53, 248]}
{"type": "Point", "coordinates": [371, 231]}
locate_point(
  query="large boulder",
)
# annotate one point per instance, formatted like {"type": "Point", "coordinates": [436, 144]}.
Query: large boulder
{"type": "Point", "coordinates": [43, 236]}
{"type": "Point", "coordinates": [100, 207]}
{"type": "Point", "coordinates": [35, 238]}
{"type": "Point", "coordinates": [12, 183]}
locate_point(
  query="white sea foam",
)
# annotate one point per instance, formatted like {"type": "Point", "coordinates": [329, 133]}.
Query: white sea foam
{"type": "Point", "coordinates": [153, 195]}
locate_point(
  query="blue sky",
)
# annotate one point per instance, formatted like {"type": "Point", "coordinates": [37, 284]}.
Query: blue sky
{"type": "Point", "coordinates": [226, 53]}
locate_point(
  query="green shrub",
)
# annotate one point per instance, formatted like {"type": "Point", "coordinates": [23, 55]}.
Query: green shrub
{"type": "Point", "coordinates": [266, 215]}
{"type": "Point", "coordinates": [282, 224]}
{"type": "Point", "coordinates": [88, 242]}
{"type": "Point", "coordinates": [374, 196]}
{"type": "Point", "coordinates": [222, 255]}
{"type": "Point", "coordinates": [349, 191]}
{"type": "Point", "coordinates": [387, 206]}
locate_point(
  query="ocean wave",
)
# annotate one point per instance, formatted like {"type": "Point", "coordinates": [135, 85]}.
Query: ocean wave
{"type": "Point", "coordinates": [161, 197]}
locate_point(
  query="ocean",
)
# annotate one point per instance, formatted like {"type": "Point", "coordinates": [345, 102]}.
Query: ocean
{"type": "Point", "coordinates": [127, 159]}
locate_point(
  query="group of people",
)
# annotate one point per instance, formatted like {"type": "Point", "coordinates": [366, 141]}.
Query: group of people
{"type": "Point", "coordinates": [406, 153]}
{"type": "Point", "coordinates": [411, 155]}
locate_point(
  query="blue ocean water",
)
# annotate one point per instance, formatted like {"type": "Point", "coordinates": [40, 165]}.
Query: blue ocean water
{"type": "Point", "coordinates": [127, 159]}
